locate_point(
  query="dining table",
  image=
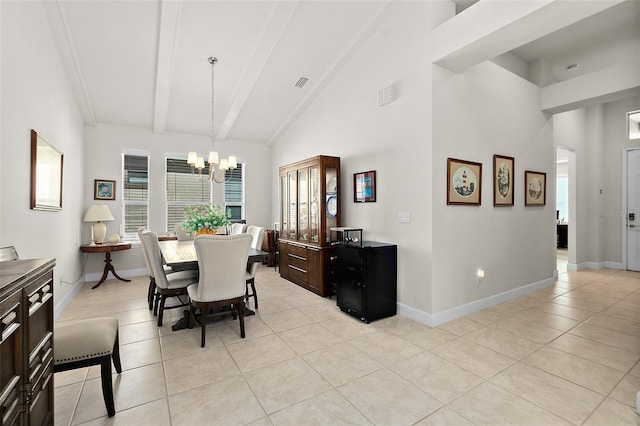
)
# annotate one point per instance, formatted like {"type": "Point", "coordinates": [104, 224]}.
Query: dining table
{"type": "Point", "coordinates": [181, 255]}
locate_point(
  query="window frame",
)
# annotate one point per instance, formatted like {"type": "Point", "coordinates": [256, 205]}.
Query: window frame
{"type": "Point", "coordinates": [133, 236]}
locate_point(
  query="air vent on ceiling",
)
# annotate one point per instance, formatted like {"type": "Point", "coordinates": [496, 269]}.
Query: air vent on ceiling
{"type": "Point", "coordinates": [301, 82]}
{"type": "Point", "coordinates": [385, 96]}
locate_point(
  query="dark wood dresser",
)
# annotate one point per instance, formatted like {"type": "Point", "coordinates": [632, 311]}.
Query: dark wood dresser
{"type": "Point", "coordinates": [26, 342]}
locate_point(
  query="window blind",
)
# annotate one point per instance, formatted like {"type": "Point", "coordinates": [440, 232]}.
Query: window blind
{"type": "Point", "coordinates": [234, 192]}
{"type": "Point", "coordinates": [183, 189]}
{"type": "Point", "coordinates": [135, 193]}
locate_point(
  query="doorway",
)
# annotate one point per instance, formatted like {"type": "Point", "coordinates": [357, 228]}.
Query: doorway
{"type": "Point", "coordinates": [565, 200]}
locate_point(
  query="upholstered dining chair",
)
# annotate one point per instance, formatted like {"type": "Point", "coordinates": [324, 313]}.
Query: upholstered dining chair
{"type": "Point", "coordinates": [182, 233]}
{"type": "Point", "coordinates": [222, 260]}
{"type": "Point", "coordinates": [238, 228]}
{"type": "Point", "coordinates": [152, 281]}
{"type": "Point", "coordinates": [257, 232]}
{"type": "Point", "coordinates": [167, 285]}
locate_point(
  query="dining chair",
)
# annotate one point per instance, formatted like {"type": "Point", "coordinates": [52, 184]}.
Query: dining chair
{"type": "Point", "coordinates": [222, 260]}
{"type": "Point", "coordinates": [167, 285]}
{"type": "Point", "coordinates": [152, 281]}
{"type": "Point", "coordinates": [257, 232]}
{"type": "Point", "coordinates": [182, 233]}
{"type": "Point", "coordinates": [238, 228]}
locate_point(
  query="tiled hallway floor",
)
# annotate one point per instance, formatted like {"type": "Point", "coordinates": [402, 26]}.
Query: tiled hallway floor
{"type": "Point", "coordinates": [564, 355]}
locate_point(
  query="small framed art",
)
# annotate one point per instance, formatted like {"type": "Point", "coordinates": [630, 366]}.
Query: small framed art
{"type": "Point", "coordinates": [364, 187]}
{"type": "Point", "coordinates": [464, 182]}
{"type": "Point", "coordinates": [104, 189]}
{"type": "Point", "coordinates": [503, 180]}
{"type": "Point", "coordinates": [535, 188]}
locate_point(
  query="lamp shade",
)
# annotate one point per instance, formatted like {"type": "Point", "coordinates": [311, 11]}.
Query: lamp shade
{"type": "Point", "coordinates": [97, 213]}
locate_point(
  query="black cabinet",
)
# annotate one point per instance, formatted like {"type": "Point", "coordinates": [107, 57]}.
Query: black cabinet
{"type": "Point", "coordinates": [367, 279]}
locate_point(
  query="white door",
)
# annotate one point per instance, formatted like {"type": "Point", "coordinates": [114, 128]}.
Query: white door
{"type": "Point", "coordinates": [633, 210]}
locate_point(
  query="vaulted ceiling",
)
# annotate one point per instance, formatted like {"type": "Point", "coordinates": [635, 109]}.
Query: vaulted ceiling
{"type": "Point", "coordinates": [145, 63]}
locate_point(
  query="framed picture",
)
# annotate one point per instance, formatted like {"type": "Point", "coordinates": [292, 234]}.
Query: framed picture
{"type": "Point", "coordinates": [104, 189]}
{"type": "Point", "coordinates": [535, 188]}
{"type": "Point", "coordinates": [503, 180]}
{"type": "Point", "coordinates": [364, 187]}
{"type": "Point", "coordinates": [46, 174]}
{"type": "Point", "coordinates": [464, 182]}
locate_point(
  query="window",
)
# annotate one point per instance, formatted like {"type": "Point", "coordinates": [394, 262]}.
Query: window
{"type": "Point", "coordinates": [183, 189]}
{"type": "Point", "coordinates": [135, 194]}
{"type": "Point", "coordinates": [234, 193]}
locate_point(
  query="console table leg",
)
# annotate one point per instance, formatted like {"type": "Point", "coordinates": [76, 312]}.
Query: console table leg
{"type": "Point", "coordinates": [108, 267]}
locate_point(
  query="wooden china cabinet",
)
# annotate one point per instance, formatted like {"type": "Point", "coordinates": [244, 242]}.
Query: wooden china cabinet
{"type": "Point", "coordinates": [309, 206]}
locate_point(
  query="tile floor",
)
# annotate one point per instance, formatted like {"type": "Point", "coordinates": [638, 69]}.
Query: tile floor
{"type": "Point", "coordinates": [564, 355]}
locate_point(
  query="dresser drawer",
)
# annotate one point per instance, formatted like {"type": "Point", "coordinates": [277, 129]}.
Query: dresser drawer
{"type": "Point", "coordinates": [297, 251]}
{"type": "Point", "coordinates": [298, 263]}
{"type": "Point", "coordinates": [299, 276]}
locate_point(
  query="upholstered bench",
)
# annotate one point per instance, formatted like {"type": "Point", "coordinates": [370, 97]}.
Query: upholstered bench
{"type": "Point", "coordinates": [89, 342]}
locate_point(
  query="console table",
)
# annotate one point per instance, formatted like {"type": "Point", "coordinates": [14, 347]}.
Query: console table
{"type": "Point", "coordinates": [106, 248]}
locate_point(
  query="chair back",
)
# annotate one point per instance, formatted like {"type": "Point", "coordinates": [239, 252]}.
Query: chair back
{"type": "Point", "coordinates": [8, 253]}
{"type": "Point", "coordinates": [238, 228]}
{"type": "Point", "coordinates": [144, 251]}
{"type": "Point", "coordinates": [257, 232]}
{"type": "Point", "coordinates": [182, 233]}
{"type": "Point", "coordinates": [149, 241]}
{"type": "Point", "coordinates": [222, 260]}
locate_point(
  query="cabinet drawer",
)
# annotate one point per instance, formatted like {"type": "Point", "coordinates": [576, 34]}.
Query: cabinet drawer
{"type": "Point", "coordinates": [297, 251]}
{"type": "Point", "coordinates": [299, 276]}
{"type": "Point", "coordinates": [298, 263]}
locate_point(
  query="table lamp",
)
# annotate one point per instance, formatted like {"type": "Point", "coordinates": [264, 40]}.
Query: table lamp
{"type": "Point", "coordinates": [98, 213]}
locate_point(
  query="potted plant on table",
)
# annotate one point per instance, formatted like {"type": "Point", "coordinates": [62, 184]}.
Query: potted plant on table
{"type": "Point", "coordinates": [204, 218]}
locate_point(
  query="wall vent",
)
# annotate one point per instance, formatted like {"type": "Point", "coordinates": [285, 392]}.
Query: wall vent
{"type": "Point", "coordinates": [301, 82]}
{"type": "Point", "coordinates": [385, 96]}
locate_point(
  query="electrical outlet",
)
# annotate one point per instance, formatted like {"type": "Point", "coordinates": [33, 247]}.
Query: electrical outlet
{"type": "Point", "coordinates": [480, 274]}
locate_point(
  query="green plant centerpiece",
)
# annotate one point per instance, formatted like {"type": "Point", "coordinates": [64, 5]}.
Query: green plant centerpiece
{"type": "Point", "coordinates": [204, 218]}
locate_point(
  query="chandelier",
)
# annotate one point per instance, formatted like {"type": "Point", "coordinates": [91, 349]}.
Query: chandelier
{"type": "Point", "coordinates": [197, 162]}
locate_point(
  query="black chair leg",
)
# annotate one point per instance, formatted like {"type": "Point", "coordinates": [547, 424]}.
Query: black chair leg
{"type": "Point", "coordinates": [115, 354]}
{"type": "Point", "coordinates": [253, 289]}
{"type": "Point", "coordinates": [240, 309]}
{"type": "Point", "coordinates": [163, 299]}
{"type": "Point", "coordinates": [107, 386]}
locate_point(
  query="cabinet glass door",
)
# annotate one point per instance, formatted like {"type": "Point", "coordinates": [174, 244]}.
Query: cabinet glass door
{"type": "Point", "coordinates": [314, 205]}
{"type": "Point", "coordinates": [303, 204]}
{"type": "Point", "coordinates": [293, 210]}
{"type": "Point", "coordinates": [284, 211]}
{"type": "Point", "coordinates": [332, 200]}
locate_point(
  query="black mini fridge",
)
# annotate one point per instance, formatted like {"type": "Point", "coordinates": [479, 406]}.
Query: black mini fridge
{"type": "Point", "coordinates": [367, 279]}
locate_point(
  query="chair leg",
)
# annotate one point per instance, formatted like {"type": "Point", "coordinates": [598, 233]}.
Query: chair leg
{"type": "Point", "coordinates": [115, 354]}
{"type": "Point", "coordinates": [163, 299]}
{"type": "Point", "coordinates": [203, 325]}
{"type": "Point", "coordinates": [156, 300]}
{"type": "Point", "coordinates": [151, 293]}
{"type": "Point", "coordinates": [253, 289]}
{"type": "Point", "coordinates": [240, 309]}
{"type": "Point", "coordinates": [107, 385]}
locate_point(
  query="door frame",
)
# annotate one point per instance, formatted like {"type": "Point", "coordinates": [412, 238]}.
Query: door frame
{"type": "Point", "coordinates": [623, 225]}
{"type": "Point", "coordinates": [572, 202]}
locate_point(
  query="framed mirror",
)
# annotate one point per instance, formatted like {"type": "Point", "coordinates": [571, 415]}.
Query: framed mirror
{"type": "Point", "coordinates": [46, 174]}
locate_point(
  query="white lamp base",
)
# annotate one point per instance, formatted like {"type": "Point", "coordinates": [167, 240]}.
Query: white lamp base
{"type": "Point", "coordinates": [99, 232]}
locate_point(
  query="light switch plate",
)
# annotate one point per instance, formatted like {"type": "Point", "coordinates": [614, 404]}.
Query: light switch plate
{"type": "Point", "coordinates": [404, 217]}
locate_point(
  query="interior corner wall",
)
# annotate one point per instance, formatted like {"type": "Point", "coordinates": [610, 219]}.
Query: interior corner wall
{"type": "Point", "coordinates": [36, 94]}
{"type": "Point", "coordinates": [394, 140]}
{"type": "Point", "coordinates": [104, 148]}
{"type": "Point", "coordinates": [477, 113]}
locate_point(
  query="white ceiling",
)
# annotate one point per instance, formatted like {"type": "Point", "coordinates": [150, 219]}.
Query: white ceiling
{"type": "Point", "coordinates": [143, 63]}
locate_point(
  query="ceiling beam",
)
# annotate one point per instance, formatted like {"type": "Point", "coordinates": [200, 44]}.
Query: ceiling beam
{"type": "Point", "coordinates": [167, 37]}
{"type": "Point", "coordinates": [490, 28]}
{"type": "Point", "coordinates": [64, 40]}
{"type": "Point", "coordinates": [271, 34]}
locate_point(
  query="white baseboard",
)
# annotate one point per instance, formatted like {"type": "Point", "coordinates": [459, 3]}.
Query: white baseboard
{"type": "Point", "coordinates": [434, 320]}
{"type": "Point", "coordinates": [613, 265]}
{"type": "Point", "coordinates": [62, 304]}
{"type": "Point", "coordinates": [594, 265]}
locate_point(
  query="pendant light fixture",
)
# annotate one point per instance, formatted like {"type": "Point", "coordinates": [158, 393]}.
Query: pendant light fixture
{"type": "Point", "coordinates": [197, 162]}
